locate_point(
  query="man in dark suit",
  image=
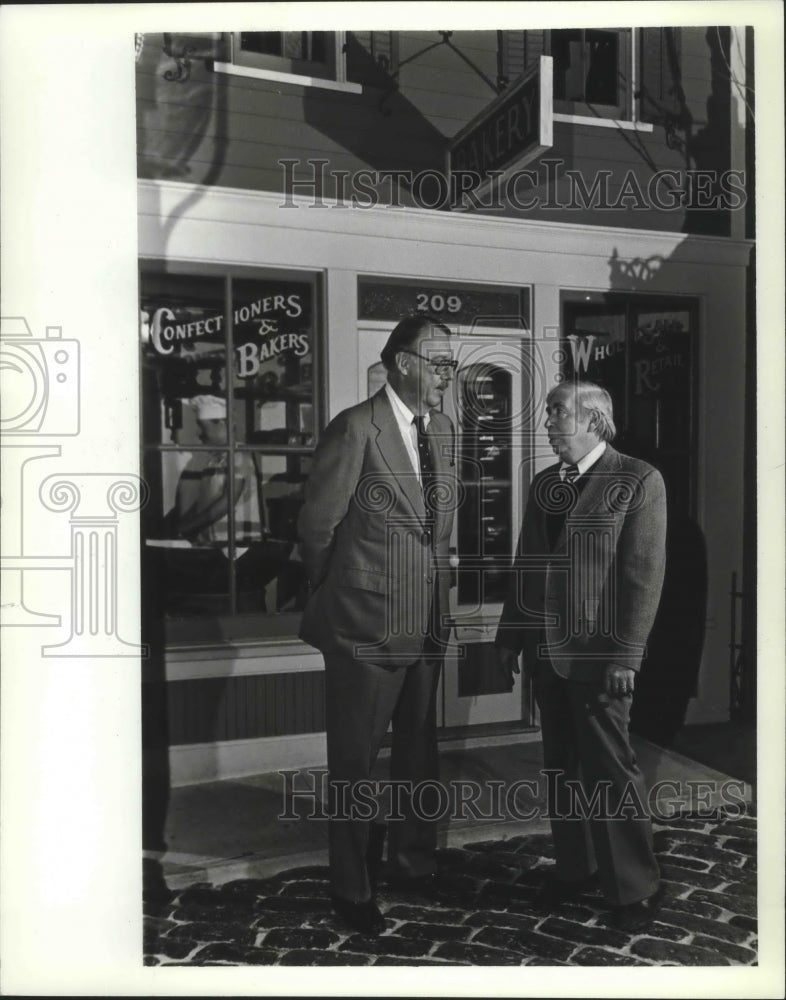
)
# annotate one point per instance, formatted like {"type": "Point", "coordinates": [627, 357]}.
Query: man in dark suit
{"type": "Point", "coordinates": [585, 586]}
{"type": "Point", "coordinates": [374, 533]}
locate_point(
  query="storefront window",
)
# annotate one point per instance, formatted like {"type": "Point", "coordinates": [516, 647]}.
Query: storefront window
{"type": "Point", "coordinates": [229, 424]}
{"type": "Point", "coordinates": [642, 349]}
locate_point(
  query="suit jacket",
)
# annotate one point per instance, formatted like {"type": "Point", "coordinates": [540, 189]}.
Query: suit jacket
{"type": "Point", "coordinates": [372, 554]}
{"type": "Point", "coordinates": [593, 598]}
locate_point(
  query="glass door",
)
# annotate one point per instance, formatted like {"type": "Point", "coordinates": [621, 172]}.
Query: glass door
{"type": "Point", "coordinates": [641, 349]}
{"type": "Point", "coordinates": [485, 403]}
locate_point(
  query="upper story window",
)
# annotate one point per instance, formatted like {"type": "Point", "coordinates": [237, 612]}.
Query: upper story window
{"type": "Point", "coordinates": [335, 60]}
{"type": "Point", "coordinates": [303, 53]}
{"type": "Point", "coordinates": [597, 74]}
{"type": "Point", "coordinates": [592, 71]}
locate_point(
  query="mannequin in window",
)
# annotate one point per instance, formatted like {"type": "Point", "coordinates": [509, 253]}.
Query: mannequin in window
{"type": "Point", "coordinates": [200, 516]}
{"type": "Point", "coordinates": [200, 513]}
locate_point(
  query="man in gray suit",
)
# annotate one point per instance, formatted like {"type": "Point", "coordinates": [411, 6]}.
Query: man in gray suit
{"type": "Point", "coordinates": [584, 590]}
{"type": "Point", "coordinates": [374, 533]}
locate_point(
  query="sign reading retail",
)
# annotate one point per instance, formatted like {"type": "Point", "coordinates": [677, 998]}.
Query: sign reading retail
{"type": "Point", "coordinates": [514, 129]}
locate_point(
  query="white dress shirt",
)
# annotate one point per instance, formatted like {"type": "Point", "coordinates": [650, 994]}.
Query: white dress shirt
{"type": "Point", "coordinates": [585, 463]}
{"type": "Point", "coordinates": [409, 433]}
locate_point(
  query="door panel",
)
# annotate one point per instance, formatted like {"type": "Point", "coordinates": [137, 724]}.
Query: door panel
{"type": "Point", "coordinates": [485, 405]}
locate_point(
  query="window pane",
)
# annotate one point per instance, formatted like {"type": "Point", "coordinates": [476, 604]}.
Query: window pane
{"type": "Point", "coordinates": [187, 556]}
{"type": "Point", "coordinates": [295, 44]}
{"type": "Point", "coordinates": [586, 65]}
{"type": "Point", "coordinates": [272, 563]}
{"type": "Point", "coordinates": [309, 46]}
{"type": "Point", "coordinates": [662, 370]}
{"type": "Point", "coordinates": [262, 42]}
{"type": "Point", "coordinates": [567, 51]}
{"type": "Point", "coordinates": [183, 353]}
{"type": "Point", "coordinates": [595, 348]}
{"type": "Point", "coordinates": [220, 526]}
{"type": "Point", "coordinates": [484, 519]}
{"type": "Point", "coordinates": [185, 567]}
{"type": "Point", "coordinates": [319, 47]}
{"type": "Point", "coordinates": [602, 60]}
{"type": "Point", "coordinates": [274, 337]}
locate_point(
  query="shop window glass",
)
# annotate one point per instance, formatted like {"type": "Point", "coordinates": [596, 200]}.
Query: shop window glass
{"type": "Point", "coordinates": [641, 348]}
{"type": "Point", "coordinates": [229, 425]}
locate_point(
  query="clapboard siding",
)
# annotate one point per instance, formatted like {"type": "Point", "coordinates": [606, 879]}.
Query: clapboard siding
{"type": "Point", "coordinates": [277, 138]}
{"type": "Point", "coordinates": [251, 152]}
{"type": "Point", "coordinates": [213, 709]}
{"type": "Point", "coordinates": [595, 148]}
{"type": "Point", "coordinates": [232, 131]}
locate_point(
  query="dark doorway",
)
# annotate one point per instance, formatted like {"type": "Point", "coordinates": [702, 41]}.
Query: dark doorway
{"type": "Point", "coordinates": [642, 349]}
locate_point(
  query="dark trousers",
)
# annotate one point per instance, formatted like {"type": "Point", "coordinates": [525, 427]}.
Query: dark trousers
{"type": "Point", "coordinates": [585, 738]}
{"type": "Point", "coordinates": [362, 699]}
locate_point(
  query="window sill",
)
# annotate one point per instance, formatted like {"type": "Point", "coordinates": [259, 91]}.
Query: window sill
{"type": "Point", "coordinates": [626, 126]}
{"type": "Point", "coordinates": [255, 73]}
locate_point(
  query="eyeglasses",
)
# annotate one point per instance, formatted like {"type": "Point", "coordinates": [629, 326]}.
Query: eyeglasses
{"type": "Point", "coordinates": [444, 366]}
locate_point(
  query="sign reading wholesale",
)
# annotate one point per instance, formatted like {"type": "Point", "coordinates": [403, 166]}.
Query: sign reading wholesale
{"type": "Point", "coordinates": [514, 129]}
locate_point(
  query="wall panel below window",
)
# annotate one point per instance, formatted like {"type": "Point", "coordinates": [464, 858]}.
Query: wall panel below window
{"type": "Point", "coordinates": [213, 709]}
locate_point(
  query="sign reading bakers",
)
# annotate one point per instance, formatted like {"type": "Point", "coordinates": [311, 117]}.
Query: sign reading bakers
{"type": "Point", "coordinates": [514, 129]}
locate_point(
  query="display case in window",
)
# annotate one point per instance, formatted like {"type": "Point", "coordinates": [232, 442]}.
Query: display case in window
{"type": "Point", "coordinates": [484, 519]}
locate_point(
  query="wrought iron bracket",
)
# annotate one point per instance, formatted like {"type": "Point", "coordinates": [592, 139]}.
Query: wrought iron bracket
{"type": "Point", "coordinates": [182, 71]}
{"type": "Point", "coordinates": [185, 48]}
{"type": "Point", "coordinates": [673, 124]}
{"type": "Point", "coordinates": [444, 40]}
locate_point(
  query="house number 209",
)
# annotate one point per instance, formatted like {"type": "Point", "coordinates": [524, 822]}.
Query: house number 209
{"type": "Point", "coordinates": [438, 303]}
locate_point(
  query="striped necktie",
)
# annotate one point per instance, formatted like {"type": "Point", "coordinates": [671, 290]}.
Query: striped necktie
{"type": "Point", "coordinates": [571, 474]}
{"type": "Point", "coordinates": [427, 471]}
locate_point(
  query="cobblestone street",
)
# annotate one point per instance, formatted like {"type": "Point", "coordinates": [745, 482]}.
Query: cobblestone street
{"type": "Point", "coordinates": [485, 914]}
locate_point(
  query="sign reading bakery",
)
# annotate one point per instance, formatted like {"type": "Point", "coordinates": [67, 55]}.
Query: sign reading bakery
{"type": "Point", "coordinates": [514, 129]}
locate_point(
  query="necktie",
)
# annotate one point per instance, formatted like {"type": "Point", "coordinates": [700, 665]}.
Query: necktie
{"type": "Point", "coordinates": [555, 518]}
{"type": "Point", "coordinates": [434, 642]}
{"type": "Point", "coordinates": [571, 474]}
{"type": "Point", "coordinates": [427, 477]}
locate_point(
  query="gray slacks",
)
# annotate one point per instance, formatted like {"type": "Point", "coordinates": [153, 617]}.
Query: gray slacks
{"type": "Point", "coordinates": [362, 699]}
{"type": "Point", "coordinates": [585, 738]}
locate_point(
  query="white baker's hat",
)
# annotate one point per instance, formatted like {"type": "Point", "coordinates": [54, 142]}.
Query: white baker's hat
{"type": "Point", "coordinates": [209, 407]}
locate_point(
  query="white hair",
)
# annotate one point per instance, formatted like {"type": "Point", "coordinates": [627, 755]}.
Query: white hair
{"type": "Point", "coordinates": [593, 399]}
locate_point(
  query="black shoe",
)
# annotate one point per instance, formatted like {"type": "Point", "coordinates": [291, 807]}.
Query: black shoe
{"type": "Point", "coordinates": [425, 886]}
{"type": "Point", "coordinates": [637, 916]}
{"type": "Point", "coordinates": [554, 891]}
{"type": "Point", "coordinates": [376, 845]}
{"type": "Point", "coordinates": [364, 918]}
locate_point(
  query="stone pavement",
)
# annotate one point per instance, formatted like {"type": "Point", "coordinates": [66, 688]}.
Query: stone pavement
{"type": "Point", "coordinates": [485, 914]}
